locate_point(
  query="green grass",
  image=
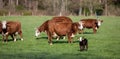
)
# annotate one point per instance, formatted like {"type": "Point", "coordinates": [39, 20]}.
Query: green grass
{"type": "Point", "coordinates": [105, 44]}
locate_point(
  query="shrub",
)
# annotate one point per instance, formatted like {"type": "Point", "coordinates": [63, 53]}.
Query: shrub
{"type": "Point", "coordinates": [27, 13]}
{"type": "Point", "coordinates": [3, 12]}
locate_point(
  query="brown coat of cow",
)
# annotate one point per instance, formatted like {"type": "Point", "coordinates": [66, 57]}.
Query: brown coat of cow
{"type": "Point", "coordinates": [13, 28]}
{"type": "Point", "coordinates": [91, 23]}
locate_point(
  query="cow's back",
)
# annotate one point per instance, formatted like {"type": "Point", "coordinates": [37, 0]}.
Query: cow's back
{"type": "Point", "coordinates": [57, 22]}
{"type": "Point", "coordinates": [62, 19]}
{"type": "Point", "coordinates": [13, 26]}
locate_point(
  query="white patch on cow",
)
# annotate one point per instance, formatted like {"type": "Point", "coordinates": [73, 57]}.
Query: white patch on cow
{"type": "Point", "coordinates": [96, 28]}
{"type": "Point", "coordinates": [99, 22]}
{"type": "Point", "coordinates": [81, 25]}
{"type": "Point", "coordinates": [37, 32]}
{"type": "Point", "coordinates": [64, 37]}
{"type": "Point", "coordinates": [21, 39]}
{"type": "Point", "coordinates": [14, 39]}
{"type": "Point", "coordinates": [72, 35]}
{"type": "Point", "coordinates": [4, 24]}
{"type": "Point", "coordinates": [16, 33]}
{"type": "Point", "coordinates": [54, 34]}
{"type": "Point", "coordinates": [80, 39]}
{"type": "Point", "coordinates": [6, 33]}
{"type": "Point", "coordinates": [58, 38]}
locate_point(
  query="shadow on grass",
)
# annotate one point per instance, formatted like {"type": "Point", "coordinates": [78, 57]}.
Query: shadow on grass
{"type": "Point", "coordinates": [59, 41]}
{"type": "Point", "coordinates": [88, 33]}
{"type": "Point", "coordinates": [44, 55]}
{"type": "Point", "coordinates": [41, 38]}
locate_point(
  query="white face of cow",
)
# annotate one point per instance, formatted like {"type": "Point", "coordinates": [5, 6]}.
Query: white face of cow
{"type": "Point", "coordinates": [80, 39]}
{"type": "Point", "coordinates": [99, 22]}
{"type": "Point", "coordinates": [4, 24]}
{"type": "Point", "coordinates": [81, 25]}
{"type": "Point", "coordinates": [37, 32]}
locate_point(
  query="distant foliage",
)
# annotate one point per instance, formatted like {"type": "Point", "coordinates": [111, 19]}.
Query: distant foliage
{"type": "Point", "coordinates": [27, 13]}
{"type": "Point", "coordinates": [3, 12]}
{"type": "Point", "coordinates": [63, 7]}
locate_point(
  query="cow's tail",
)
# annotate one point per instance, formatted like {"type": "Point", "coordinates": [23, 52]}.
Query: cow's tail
{"type": "Point", "coordinates": [4, 24]}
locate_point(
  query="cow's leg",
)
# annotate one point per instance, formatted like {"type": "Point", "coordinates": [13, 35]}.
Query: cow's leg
{"type": "Point", "coordinates": [94, 30]}
{"type": "Point", "coordinates": [49, 38]}
{"type": "Point", "coordinates": [69, 39]}
{"type": "Point", "coordinates": [58, 37]}
{"type": "Point", "coordinates": [3, 37]}
{"type": "Point", "coordinates": [81, 31]}
{"type": "Point", "coordinates": [7, 37]}
{"type": "Point", "coordinates": [20, 33]}
{"type": "Point", "coordinates": [64, 37]}
{"type": "Point", "coordinates": [14, 37]}
{"type": "Point", "coordinates": [86, 47]}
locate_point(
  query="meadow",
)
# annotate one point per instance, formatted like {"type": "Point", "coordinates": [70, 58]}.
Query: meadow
{"type": "Point", "coordinates": [105, 44]}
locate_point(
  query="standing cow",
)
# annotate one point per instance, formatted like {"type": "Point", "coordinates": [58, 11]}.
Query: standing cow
{"type": "Point", "coordinates": [91, 23]}
{"type": "Point", "coordinates": [11, 28]}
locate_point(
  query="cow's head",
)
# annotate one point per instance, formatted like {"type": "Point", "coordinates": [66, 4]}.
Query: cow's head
{"type": "Point", "coordinates": [80, 39]}
{"type": "Point", "coordinates": [37, 32]}
{"type": "Point", "coordinates": [4, 24]}
{"type": "Point", "coordinates": [99, 22]}
{"type": "Point", "coordinates": [80, 25]}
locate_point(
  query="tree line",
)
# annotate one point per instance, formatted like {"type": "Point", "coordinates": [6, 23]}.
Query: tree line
{"type": "Point", "coordinates": [60, 7]}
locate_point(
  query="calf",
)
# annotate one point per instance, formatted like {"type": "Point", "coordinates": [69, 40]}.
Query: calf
{"type": "Point", "coordinates": [83, 43]}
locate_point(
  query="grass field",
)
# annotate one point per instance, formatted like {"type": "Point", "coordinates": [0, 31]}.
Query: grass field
{"type": "Point", "coordinates": [105, 44]}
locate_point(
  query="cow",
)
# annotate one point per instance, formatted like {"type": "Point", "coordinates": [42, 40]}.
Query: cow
{"type": "Point", "coordinates": [61, 26]}
{"type": "Point", "coordinates": [83, 43]}
{"type": "Point", "coordinates": [12, 28]}
{"type": "Point", "coordinates": [62, 29]}
{"type": "Point", "coordinates": [91, 23]}
{"type": "Point", "coordinates": [44, 26]}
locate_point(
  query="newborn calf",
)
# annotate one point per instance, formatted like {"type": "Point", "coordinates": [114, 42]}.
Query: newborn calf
{"type": "Point", "coordinates": [83, 43]}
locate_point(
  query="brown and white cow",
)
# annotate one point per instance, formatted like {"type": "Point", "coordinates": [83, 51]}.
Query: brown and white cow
{"type": "Point", "coordinates": [91, 23]}
{"type": "Point", "coordinates": [61, 26]}
{"type": "Point", "coordinates": [12, 28]}
{"type": "Point", "coordinates": [44, 26]}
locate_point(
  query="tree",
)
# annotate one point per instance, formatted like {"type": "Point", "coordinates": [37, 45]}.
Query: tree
{"type": "Point", "coordinates": [1, 4]}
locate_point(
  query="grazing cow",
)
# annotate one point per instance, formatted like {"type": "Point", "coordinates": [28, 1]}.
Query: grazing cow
{"type": "Point", "coordinates": [83, 43]}
{"type": "Point", "coordinates": [13, 28]}
{"type": "Point", "coordinates": [91, 23]}
{"type": "Point", "coordinates": [62, 29]}
{"type": "Point", "coordinates": [61, 26]}
{"type": "Point", "coordinates": [44, 26]}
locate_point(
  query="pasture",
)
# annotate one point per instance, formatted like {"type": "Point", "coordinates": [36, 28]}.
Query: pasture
{"type": "Point", "coordinates": [105, 44]}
